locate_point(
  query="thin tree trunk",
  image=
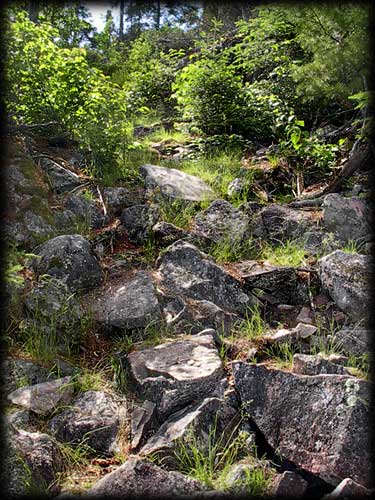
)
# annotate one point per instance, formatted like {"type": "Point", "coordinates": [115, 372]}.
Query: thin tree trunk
{"type": "Point", "coordinates": [122, 11]}
{"type": "Point", "coordinates": [34, 7]}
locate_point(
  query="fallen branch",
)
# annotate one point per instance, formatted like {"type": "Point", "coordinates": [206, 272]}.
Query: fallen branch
{"type": "Point", "coordinates": [22, 127]}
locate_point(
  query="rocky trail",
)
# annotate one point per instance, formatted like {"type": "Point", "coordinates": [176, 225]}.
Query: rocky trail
{"type": "Point", "coordinates": [158, 353]}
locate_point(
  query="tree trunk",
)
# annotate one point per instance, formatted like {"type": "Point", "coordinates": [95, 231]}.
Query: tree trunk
{"type": "Point", "coordinates": [122, 11]}
{"type": "Point", "coordinates": [34, 7]}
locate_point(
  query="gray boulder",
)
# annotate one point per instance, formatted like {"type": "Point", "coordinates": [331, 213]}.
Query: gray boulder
{"type": "Point", "coordinates": [222, 222]}
{"type": "Point", "coordinates": [347, 218]}
{"type": "Point", "coordinates": [45, 397]}
{"type": "Point", "coordinates": [281, 223]}
{"type": "Point", "coordinates": [133, 304]}
{"type": "Point", "coordinates": [71, 259]}
{"type": "Point", "coordinates": [166, 233]}
{"type": "Point", "coordinates": [207, 423]}
{"type": "Point", "coordinates": [284, 284]}
{"type": "Point", "coordinates": [353, 341]}
{"type": "Point", "coordinates": [174, 374]}
{"type": "Point", "coordinates": [318, 422]}
{"type": "Point", "coordinates": [138, 478]}
{"type": "Point", "coordinates": [349, 489]}
{"type": "Point", "coordinates": [346, 278]}
{"type": "Point", "coordinates": [187, 272]}
{"type": "Point", "coordinates": [86, 210]}
{"type": "Point", "coordinates": [288, 485]}
{"type": "Point", "coordinates": [94, 419]}
{"type": "Point", "coordinates": [175, 184]}
{"type": "Point", "coordinates": [139, 221]}
{"type": "Point", "coordinates": [305, 364]}
{"type": "Point", "coordinates": [117, 199]}
{"type": "Point", "coordinates": [60, 179]}
{"type": "Point", "coordinates": [32, 464]}
{"type": "Point", "coordinates": [21, 372]}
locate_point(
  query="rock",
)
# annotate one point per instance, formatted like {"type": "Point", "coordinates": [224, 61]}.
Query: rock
{"type": "Point", "coordinates": [305, 331]}
{"type": "Point", "coordinates": [117, 199]}
{"type": "Point", "coordinates": [320, 422]}
{"type": "Point", "coordinates": [22, 419]}
{"type": "Point", "coordinates": [32, 464]}
{"type": "Point", "coordinates": [222, 222]}
{"type": "Point", "coordinates": [138, 478]}
{"type": "Point", "coordinates": [28, 217]}
{"type": "Point", "coordinates": [349, 489]}
{"type": "Point", "coordinates": [279, 223]}
{"type": "Point", "coordinates": [165, 233]}
{"type": "Point", "coordinates": [320, 242]}
{"type": "Point", "coordinates": [353, 341]}
{"type": "Point", "coordinates": [346, 278]}
{"type": "Point", "coordinates": [174, 374]}
{"type": "Point", "coordinates": [139, 221]}
{"type": "Point", "coordinates": [305, 364]}
{"type": "Point", "coordinates": [45, 397]}
{"type": "Point", "coordinates": [132, 305]}
{"type": "Point", "coordinates": [175, 184]}
{"type": "Point", "coordinates": [186, 271]}
{"type": "Point", "coordinates": [236, 187]}
{"type": "Point", "coordinates": [141, 421]}
{"type": "Point", "coordinates": [288, 485]}
{"type": "Point", "coordinates": [21, 372]}
{"type": "Point", "coordinates": [211, 421]}
{"type": "Point", "coordinates": [51, 299]}
{"type": "Point", "coordinates": [60, 179]}
{"type": "Point", "coordinates": [347, 218]}
{"type": "Point", "coordinates": [86, 210]}
{"type": "Point", "coordinates": [94, 419]}
{"type": "Point", "coordinates": [71, 259]}
{"type": "Point", "coordinates": [286, 284]}
{"type": "Point", "coordinates": [305, 316]}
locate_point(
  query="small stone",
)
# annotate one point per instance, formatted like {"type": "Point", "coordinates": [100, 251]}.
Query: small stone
{"type": "Point", "coordinates": [305, 364]}
{"type": "Point", "coordinates": [305, 331]}
{"type": "Point", "coordinates": [305, 316]}
{"type": "Point", "coordinates": [289, 485]}
{"type": "Point", "coordinates": [349, 489]}
{"type": "Point", "coordinates": [141, 420]}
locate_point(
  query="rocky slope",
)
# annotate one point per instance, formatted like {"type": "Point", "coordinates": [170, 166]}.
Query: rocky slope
{"type": "Point", "coordinates": [133, 348]}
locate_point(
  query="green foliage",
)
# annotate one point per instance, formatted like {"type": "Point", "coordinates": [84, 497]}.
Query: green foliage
{"type": "Point", "coordinates": [252, 327]}
{"type": "Point", "coordinates": [47, 82]}
{"type": "Point", "coordinates": [178, 212]}
{"type": "Point", "coordinates": [290, 253]}
{"type": "Point", "coordinates": [230, 249]}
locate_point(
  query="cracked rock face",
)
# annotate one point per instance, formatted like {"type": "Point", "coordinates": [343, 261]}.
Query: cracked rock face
{"type": "Point", "coordinates": [71, 259]}
{"type": "Point", "coordinates": [346, 278]}
{"type": "Point", "coordinates": [138, 478]}
{"type": "Point", "coordinates": [174, 374]}
{"type": "Point", "coordinates": [175, 184]}
{"type": "Point", "coordinates": [186, 271]}
{"type": "Point", "coordinates": [133, 304]}
{"type": "Point", "coordinates": [93, 418]}
{"type": "Point", "coordinates": [318, 422]}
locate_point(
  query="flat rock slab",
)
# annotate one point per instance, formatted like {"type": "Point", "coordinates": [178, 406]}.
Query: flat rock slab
{"type": "Point", "coordinates": [71, 259]}
{"type": "Point", "coordinates": [176, 184]}
{"type": "Point", "coordinates": [138, 478]}
{"type": "Point", "coordinates": [93, 418]}
{"type": "Point", "coordinates": [187, 272]}
{"type": "Point", "coordinates": [221, 222]}
{"type": "Point", "coordinates": [212, 417]}
{"type": "Point", "coordinates": [318, 422]}
{"type": "Point", "coordinates": [286, 284]}
{"type": "Point", "coordinates": [45, 397]}
{"type": "Point", "coordinates": [305, 364]}
{"type": "Point", "coordinates": [347, 218]}
{"type": "Point", "coordinates": [133, 304]}
{"type": "Point", "coordinates": [346, 277]}
{"type": "Point", "coordinates": [174, 374]}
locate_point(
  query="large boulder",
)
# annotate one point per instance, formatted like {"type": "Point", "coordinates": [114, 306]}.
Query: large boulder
{"type": "Point", "coordinates": [174, 374]}
{"type": "Point", "coordinates": [320, 422]}
{"type": "Point", "coordinates": [45, 397]}
{"type": "Point", "coordinates": [285, 284]}
{"type": "Point", "coordinates": [211, 417]}
{"type": "Point", "coordinates": [187, 272]}
{"type": "Point", "coordinates": [222, 222]}
{"type": "Point", "coordinates": [139, 221]}
{"type": "Point", "coordinates": [86, 211]}
{"type": "Point", "coordinates": [71, 259]}
{"type": "Point", "coordinates": [353, 341]}
{"type": "Point", "coordinates": [28, 218]}
{"type": "Point", "coordinates": [281, 223]}
{"type": "Point", "coordinates": [175, 184]}
{"type": "Point", "coordinates": [60, 178]}
{"type": "Point", "coordinates": [94, 419]}
{"type": "Point", "coordinates": [133, 304]}
{"type": "Point", "coordinates": [138, 478]}
{"type": "Point", "coordinates": [346, 278]}
{"type": "Point", "coordinates": [32, 465]}
{"type": "Point", "coordinates": [347, 218]}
